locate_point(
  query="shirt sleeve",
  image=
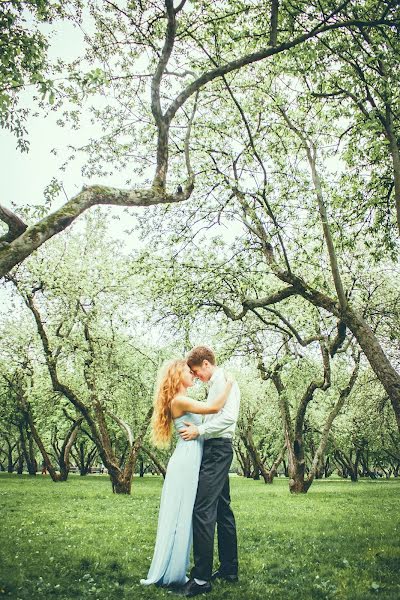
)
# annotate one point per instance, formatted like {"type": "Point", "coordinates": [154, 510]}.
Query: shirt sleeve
{"type": "Point", "coordinates": [227, 415]}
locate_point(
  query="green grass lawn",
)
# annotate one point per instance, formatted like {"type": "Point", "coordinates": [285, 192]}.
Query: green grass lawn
{"type": "Point", "coordinates": [77, 540]}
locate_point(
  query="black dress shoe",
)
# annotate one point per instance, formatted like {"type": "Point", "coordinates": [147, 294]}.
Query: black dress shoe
{"type": "Point", "coordinates": [220, 575]}
{"type": "Point", "coordinates": [191, 588]}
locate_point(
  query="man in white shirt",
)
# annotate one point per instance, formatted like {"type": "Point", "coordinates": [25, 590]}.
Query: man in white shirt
{"type": "Point", "coordinates": [212, 505]}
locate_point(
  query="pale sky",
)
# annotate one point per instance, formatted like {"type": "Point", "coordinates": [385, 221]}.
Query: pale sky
{"type": "Point", "coordinates": [25, 175]}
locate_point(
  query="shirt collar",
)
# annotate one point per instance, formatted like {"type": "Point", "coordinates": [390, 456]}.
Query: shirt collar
{"type": "Point", "coordinates": [214, 376]}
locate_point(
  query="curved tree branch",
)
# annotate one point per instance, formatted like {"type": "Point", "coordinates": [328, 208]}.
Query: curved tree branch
{"type": "Point", "coordinates": [161, 122]}
{"type": "Point", "coordinates": [34, 236]}
{"type": "Point", "coordinates": [15, 225]}
{"type": "Point", "coordinates": [249, 59]}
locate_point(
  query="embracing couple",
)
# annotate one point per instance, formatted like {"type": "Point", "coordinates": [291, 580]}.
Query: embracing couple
{"type": "Point", "coordinates": [195, 495]}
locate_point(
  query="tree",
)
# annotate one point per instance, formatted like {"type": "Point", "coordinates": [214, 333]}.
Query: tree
{"type": "Point", "coordinates": [184, 53]}
{"type": "Point", "coordinates": [364, 438]}
{"type": "Point", "coordinates": [254, 188]}
{"type": "Point", "coordinates": [91, 361]}
{"type": "Point", "coordinates": [205, 287]}
{"type": "Point", "coordinates": [23, 63]}
{"type": "Point", "coordinates": [259, 442]}
{"type": "Point", "coordinates": [294, 426]}
{"type": "Point", "coordinates": [32, 411]}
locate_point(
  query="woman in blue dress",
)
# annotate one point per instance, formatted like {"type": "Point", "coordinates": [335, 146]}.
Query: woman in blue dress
{"type": "Point", "coordinates": [172, 407]}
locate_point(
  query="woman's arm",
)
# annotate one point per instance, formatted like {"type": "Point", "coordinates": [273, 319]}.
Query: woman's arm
{"type": "Point", "coordinates": [188, 405]}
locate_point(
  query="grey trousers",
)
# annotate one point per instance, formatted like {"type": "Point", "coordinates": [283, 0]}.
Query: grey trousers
{"type": "Point", "coordinates": [212, 507]}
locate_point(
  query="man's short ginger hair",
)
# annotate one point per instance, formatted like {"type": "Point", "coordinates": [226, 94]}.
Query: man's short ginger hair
{"type": "Point", "coordinates": [198, 354]}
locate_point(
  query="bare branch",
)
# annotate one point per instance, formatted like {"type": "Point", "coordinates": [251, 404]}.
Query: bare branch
{"type": "Point", "coordinates": [249, 59]}
{"type": "Point", "coordinates": [15, 225]}
{"type": "Point", "coordinates": [251, 304]}
{"type": "Point", "coordinates": [339, 339]}
{"type": "Point", "coordinates": [311, 157]}
{"type": "Point", "coordinates": [124, 426]}
{"type": "Point", "coordinates": [322, 384]}
{"type": "Point", "coordinates": [180, 6]}
{"type": "Point", "coordinates": [307, 341]}
{"type": "Point", "coordinates": [161, 122]}
{"type": "Point", "coordinates": [273, 35]}
{"type": "Point", "coordinates": [162, 63]}
{"type": "Point", "coordinates": [187, 139]}
{"type": "Point", "coordinates": [272, 299]}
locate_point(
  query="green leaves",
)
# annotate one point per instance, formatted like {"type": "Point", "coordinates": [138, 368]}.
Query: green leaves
{"type": "Point", "coordinates": [23, 59]}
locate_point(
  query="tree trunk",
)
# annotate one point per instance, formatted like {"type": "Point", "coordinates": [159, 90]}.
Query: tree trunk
{"type": "Point", "coordinates": [20, 468]}
{"type": "Point", "coordinates": [66, 449]}
{"type": "Point", "coordinates": [31, 467]}
{"type": "Point", "coordinates": [244, 460]}
{"type": "Point", "coordinates": [121, 481]}
{"type": "Point", "coordinates": [297, 483]}
{"type": "Point", "coordinates": [82, 459]}
{"type": "Point", "coordinates": [394, 152]}
{"type": "Point", "coordinates": [348, 466]}
{"type": "Point", "coordinates": [53, 473]}
{"type": "Point", "coordinates": [10, 463]}
{"type": "Point", "coordinates": [121, 485]}
{"type": "Point", "coordinates": [32, 457]}
{"type": "Point", "coordinates": [259, 466]}
{"type": "Point", "coordinates": [378, 360]}
{"type": "Point", "coordinates": [294, 444]}
{"type": "Point", "coordinates": [158, 465]}
{"type": "Point", "coordinates": [273, 470]}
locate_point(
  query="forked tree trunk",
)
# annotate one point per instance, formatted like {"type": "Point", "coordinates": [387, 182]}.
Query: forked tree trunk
{"type": "Point", "coordinates": [121, 479]}
{"type": "Point", "coordinates": [121, 485]}
{"type": "Point", "coordinates": [10, 463]}
{"type": "Point", "coordinates": [156, 462]}
{"type": "Point", "coordinates": [274, 468]}
{"type": "Point", "coordinates": [30, 465]}
{"type": "Point", "coordinates": [65, 451]}
{"type": "Point", "coordinates": [20, 462]}
{"type": "Point", "coordinates": [348, 466]}
{"type": "Point", "coordinates": [84, 458]}
{"type": "Point", "coordinates": [94, 415]}
{"type": "Point", "coordinates": [46, 458]}
{"type": "Point", "coordinates": [258, 463]}
{"type": "Point", "coordinates": [298, 482]}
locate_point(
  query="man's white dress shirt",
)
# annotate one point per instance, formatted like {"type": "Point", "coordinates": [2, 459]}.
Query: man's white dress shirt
{"type": "Point", "coordinates": [223, 423]}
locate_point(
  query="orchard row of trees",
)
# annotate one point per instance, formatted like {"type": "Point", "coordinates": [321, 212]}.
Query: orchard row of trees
{"type": "Point", "coordinates": [78, 369]}
{"type": "Point", "coordinates": [262, 142]}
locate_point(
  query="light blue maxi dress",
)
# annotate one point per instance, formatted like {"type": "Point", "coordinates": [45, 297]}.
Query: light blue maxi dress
{"type": "Point", "coordinates": [174, 531]}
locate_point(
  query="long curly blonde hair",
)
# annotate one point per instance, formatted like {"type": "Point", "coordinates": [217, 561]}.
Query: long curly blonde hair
{"type": "Point", "coordinates": [169, 381]}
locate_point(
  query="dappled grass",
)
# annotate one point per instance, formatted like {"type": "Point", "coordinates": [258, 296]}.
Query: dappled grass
{"type": "Point", "coordinates": [77, 540]}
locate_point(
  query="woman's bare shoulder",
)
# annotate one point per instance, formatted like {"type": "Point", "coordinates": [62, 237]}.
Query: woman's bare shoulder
{"type": "Point", "coordinates": [178, 406]}
{"type": "Point", "coordinates": [180, 399]}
